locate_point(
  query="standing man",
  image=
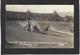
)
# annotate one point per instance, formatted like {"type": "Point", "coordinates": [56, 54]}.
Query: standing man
{"type": "Point", "coordinates": [28, 26]}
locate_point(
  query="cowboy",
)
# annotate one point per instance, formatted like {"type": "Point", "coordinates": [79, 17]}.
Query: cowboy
{"type": "Point", "coordinates": [28, 26]}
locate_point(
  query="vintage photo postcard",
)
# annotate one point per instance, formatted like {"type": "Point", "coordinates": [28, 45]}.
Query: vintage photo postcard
{"type": "Point", "coordinates": [39, 26]}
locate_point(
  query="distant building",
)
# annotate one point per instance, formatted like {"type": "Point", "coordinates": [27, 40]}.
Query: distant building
{"type": "Point", "coordinates": [33, 16]}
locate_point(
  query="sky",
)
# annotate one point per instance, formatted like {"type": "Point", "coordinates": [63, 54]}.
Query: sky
{"type": "Point", "coordinates": [41, 8]}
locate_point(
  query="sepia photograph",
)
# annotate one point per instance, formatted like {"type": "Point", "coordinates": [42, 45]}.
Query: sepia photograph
{"type": "Point", "coordinates": [39, 26]}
